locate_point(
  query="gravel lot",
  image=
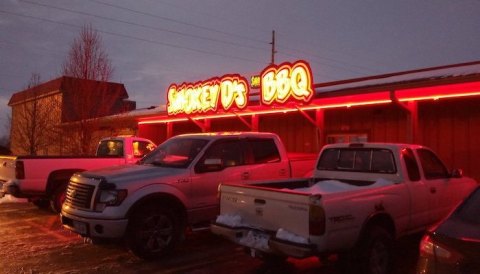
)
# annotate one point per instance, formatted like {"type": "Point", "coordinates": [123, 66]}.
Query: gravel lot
{"type": "Point", "coordinates": [33, 241]}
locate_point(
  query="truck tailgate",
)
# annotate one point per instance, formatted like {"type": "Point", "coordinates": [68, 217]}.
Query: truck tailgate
{"type": "Point", "coordinates": [7, 171]}
{"type": "Point", "coordinates": [7, 167]}
{"type": "Point", "coordinates": [261, 207]}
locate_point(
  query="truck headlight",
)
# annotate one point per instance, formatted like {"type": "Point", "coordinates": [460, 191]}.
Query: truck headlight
{"type": "Point", "coordinates": [112, 197]}
{"type": "Point", "coordinates": [108, 195]}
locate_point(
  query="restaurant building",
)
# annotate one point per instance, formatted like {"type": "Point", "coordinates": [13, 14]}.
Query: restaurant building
{"type": "Point", "coordinates": [438, 107]}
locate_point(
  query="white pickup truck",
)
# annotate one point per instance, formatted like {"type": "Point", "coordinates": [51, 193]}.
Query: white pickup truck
{"type": "Point", "coordinates": [43, 179]}
{"type": "Point", "coordinates": [361, 198]}
{"type": "Point", "coordinates": [150, 204]}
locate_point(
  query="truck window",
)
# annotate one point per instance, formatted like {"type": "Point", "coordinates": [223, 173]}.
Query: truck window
{"type": "Point", "coordinates": [230, 152]}
{"type": "Point", "coordinates": [108, 148]}
{"type": "Point", "coordinates": [432, 167]}
{"type": "Point", "coordinates": [264, 151]}
{"type": "Point", "coordinates": [357, 160]}
{"type": "Point", "coordinates": [411, 164]}
{"type": "Point", "coordinates": [175, 152]}
{"type": "Point", "coordinates": [140, 148]}
{"type": "Point", "coordinates": [382, 161]}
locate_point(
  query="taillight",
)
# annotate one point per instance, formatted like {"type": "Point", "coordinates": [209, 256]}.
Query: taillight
{"type": "Point", "coordinates": [442, 253]}
{"type": "Point", "coordinates": [19, 170]}
{"type": "Point", "coordinates": [316, 217]}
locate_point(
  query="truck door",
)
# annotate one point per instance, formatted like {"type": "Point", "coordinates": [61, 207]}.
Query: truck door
{"type": "Point", "coordinates": [439, 184]}
{"type": "Point", "coordinates": [231, 168]}
{"type": "Point", "coordinates": [419, 191]}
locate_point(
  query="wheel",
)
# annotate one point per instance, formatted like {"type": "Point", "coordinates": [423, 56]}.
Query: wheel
{"type": "Point", "coordinates": [154, 230]}
{"type": "Point", "coordinates": [57, 198]}
{"type": "Point", "coordinates": [375, 251]}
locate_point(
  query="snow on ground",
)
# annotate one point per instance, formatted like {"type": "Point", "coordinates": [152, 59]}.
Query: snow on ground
{"type": "Point", "coordinates": [11, 199]}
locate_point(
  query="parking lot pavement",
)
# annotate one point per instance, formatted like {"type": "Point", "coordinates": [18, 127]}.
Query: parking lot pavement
{"type": "Point", "coordinates": [33, 241]}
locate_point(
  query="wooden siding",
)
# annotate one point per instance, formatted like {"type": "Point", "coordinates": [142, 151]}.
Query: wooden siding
{"type": "Point", "coordinates": [297, 133]}
{"type": "Point", "coordinates": [451, 128]}
{"type": "Point", "coordinates": [381, 123]}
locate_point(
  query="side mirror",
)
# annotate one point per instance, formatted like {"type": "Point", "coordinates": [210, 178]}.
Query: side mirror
{"type": "Point", "coordinates": [210, 165]}
{"type": "Point", "coordinates": [457, 173]}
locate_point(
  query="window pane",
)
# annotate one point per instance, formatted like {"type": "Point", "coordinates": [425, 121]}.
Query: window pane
{"type": "Point", "coordinates": [383, 162]}
{"type": "Point", "coordinates": [110, 148]}
{"type": "Point", "coordinates": [229, 152]}
{"type": "Point", "coordinates": [433, 168]}
{"type": "Point", "coordinates": [346, 159]}
{"type": "Point", "coordinates": [176, 152]}
{"type": "Point", "coordinates": [264, 151]}
{"type": "Point", "coordinates": [328, 160]}
{"type": "Point", "coordinates": [141, 148]}
{"type": "Point", "coordinates": [411, 164]}
{"type": "Point", "coordinates": [357, 160]}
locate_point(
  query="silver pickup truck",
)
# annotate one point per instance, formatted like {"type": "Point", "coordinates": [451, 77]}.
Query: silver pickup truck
{"type": "Point", "coordinates": [151, 203]}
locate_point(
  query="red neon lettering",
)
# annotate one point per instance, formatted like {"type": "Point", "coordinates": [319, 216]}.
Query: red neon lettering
{"type": "Point", "coordinates": [232, 90]}
{"type": "Point", "coordinates": [287, 82]}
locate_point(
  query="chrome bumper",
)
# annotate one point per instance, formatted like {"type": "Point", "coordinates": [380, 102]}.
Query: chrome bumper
{"type": "Point", "coordinates": [274, 246]}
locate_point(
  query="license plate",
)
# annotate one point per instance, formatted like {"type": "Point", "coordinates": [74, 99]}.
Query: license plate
{"type": "Point", "coordinates": [256, 240]}
{"type": "Point", "coordinates": [80, 227]}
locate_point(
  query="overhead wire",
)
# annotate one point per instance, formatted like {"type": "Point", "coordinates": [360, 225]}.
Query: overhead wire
{"type": "Point", "coordinates": [181, 22]}
{"type": "Point", "coordinates": [143, 25]}
{"type": "Point", "coordinates": [283, 49]}
{"type": "Point", "coordinates": [345, 68]}
{"type": "Point", "coordinates": [175, 46]}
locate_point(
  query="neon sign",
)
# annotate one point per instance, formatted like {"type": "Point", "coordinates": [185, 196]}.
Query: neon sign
{"type": "Point", "coordinates": [287, 82]}
{"type": "Point", "coordinates": [229, 92]}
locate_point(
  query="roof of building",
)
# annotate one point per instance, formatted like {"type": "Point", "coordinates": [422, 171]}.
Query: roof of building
{"type": "Point", "coordinates": [449, 72]}
{"type": "Point", "coordinates": [63, 84]}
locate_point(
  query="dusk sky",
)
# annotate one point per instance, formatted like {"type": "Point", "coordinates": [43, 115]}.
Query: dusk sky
{"type": "Point", "coordinates": [154, 43]}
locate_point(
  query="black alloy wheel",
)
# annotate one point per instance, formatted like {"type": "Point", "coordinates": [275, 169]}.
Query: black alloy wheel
{"type": "Point", "coordinates": [153, 232]}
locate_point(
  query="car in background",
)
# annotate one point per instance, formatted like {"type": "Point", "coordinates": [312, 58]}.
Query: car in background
{"type": "Point", "coordinates": [453, 246]}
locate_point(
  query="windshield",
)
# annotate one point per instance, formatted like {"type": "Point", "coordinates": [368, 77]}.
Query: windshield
{"type": "Point", "coordinates": [469, 210]}
{"type": "Point", "coordinates": [177, 152]}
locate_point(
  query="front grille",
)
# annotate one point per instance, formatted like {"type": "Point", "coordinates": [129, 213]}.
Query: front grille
{"type": "Point", "coordinates": [79, 195]}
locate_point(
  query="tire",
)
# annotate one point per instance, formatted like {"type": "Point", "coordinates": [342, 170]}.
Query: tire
{"type": "Point", "coordinates": [374, 253]}
{"type": "Point", "coordinates": [42, 204]}
{"type": "Point", "coordinates": [57, 198]}
{"type": "Point", "coordinates": [154, 230]}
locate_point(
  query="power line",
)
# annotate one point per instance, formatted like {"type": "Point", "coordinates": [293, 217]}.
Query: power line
{"type": "Point", "coordinates": [135, 38]}
{"type": "Point", "coordinates": [345, 68]}
{"type": "Point", "coordinates": [181, 22]}
{"type": "Point", "coordinates": [214, 30]}
{"type": "Point", "coordinates": [142, 25]}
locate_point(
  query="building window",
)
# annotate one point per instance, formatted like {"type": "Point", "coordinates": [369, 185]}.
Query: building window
{"type": "Point", "coordinates": [347, 138]}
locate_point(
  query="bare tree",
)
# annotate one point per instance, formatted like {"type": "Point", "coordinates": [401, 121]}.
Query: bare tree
{"type": "Point", "coordinates": [5, 139]}
{"type": "Point", "coordinates": [87, 59]}
{"type": "Point", "coordinates": [34, 118]}
{"type": "Point", "coordinates": [89, 100]}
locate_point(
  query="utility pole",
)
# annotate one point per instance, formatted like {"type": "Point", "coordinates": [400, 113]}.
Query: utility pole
{"type": "Point", "coordinates": [273, 48]}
